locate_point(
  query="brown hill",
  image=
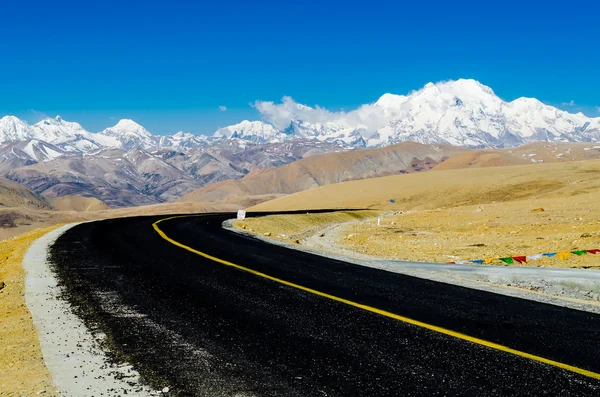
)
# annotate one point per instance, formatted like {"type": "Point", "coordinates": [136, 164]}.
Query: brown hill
{"type": "Point", "coordinates": [14, 195]}
{"type": "Point", "coordinates": [452, 188]}
{"type": "Point", "coordinates": [77, 203]}
{"type": "Point", "coordinates": [531, 153]}
{"type": "Point", "coordinates": [315, 171]}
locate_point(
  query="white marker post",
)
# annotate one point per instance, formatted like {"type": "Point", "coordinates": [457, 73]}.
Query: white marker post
{"type": "Point", "coordinates": [241, 215]}
{"type": "Point", "coordinates": [378, 221]}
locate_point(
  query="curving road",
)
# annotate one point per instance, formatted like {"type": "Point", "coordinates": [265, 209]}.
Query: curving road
{"type": "Point", "coordinates": [209, 312]}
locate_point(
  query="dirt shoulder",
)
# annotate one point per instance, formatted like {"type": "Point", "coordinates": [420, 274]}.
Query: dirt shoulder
{"type": "Point", "coordinates": [22, 368]}
{"type": "Point", "coordinates": [463, 233]}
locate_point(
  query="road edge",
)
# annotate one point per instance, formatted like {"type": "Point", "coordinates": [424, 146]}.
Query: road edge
{"type": "Point", "coordinates": [71, 352]}
{"type": "Point", "coordinates": [442, 277]}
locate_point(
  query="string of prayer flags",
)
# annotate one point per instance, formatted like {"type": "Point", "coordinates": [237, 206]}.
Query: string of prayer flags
{"type": "Point", "coordinates": [563, 255]}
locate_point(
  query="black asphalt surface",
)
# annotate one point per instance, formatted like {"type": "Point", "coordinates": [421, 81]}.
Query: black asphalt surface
{"type": "Point", "coordinates": [205, 329]}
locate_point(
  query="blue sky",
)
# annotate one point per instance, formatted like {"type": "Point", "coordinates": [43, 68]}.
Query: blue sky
{"type": "Point", "coordinates": [170, 65]}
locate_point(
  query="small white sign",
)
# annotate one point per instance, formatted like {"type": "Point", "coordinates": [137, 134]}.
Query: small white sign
{"type": "Point", "coordinates": [241, 215]}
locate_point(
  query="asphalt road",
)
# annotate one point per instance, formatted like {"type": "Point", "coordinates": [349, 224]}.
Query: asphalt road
{"type": "Point", "coordinates": [204, 328]}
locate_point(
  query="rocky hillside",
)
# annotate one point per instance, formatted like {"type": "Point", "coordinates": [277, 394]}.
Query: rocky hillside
{"type": "Point", "coordinates": [138, 177]}
{"type": "Point", "coordinates": [326, 169]}
{"type": "Point", "coordinates": [14, 195]}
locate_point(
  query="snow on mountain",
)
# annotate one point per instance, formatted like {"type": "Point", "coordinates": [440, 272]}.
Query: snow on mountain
{"type": "Point", "coordinates": [254, 131]}
{"type": "Point", "coordinates": [13, 129]}
{"type": "Point", "coordinates": [57, 130]}
{"type": "Point", "coordinates": [467, 113]}
{"type": "Point", "coordinates": [462, 112]}
{"type": "Point", "coordinates": [130, 135]}
{"type": "Point", "coordinates": [183, 141]}
{"type": "Point", "coordinates": [20, 153]}
{"type": "Point", "coordinates": [69, 136]}
{"type": "Point", "coordinates": [326, 132]}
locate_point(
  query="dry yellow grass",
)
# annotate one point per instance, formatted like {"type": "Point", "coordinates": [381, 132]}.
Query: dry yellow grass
{"type": "Point", "coordinates": [486, 231]}
{"type": "Point", "coordinates": [471, 213]}
{"type": "Point", "coordinates": [298, 226]}
{"type": "Point", "coordinates": [22, 369]}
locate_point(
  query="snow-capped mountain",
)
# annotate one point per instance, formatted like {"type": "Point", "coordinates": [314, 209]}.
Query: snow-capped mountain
{"type": "Point", "coordinates": [253, 131]}
{"type": "Point", "coordinates": [327, 132]}
{"type": "Point", "coordinates": [467, 113]}
{"type": "Point", "coordinates": [13, 129]}
{"type": "Point", "coordinates": [16, 154]}
{"type": "Point", "coordinates": [69, 136]}
{"type": "Point", "coordinates": [183, 141]}
{"type": "Point", "coordinates": [129, 135]}
{"type": "Point", "coordinates": [461, 112]}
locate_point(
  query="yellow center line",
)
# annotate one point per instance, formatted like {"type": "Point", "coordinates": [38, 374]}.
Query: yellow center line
{"type": "Point", "coordinates": [407, 320]}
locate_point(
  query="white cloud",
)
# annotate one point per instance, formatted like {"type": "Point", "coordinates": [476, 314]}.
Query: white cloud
{"type": "Point", "coordinates": [598, 109]}
{"type": "Point", "coordinates": [369, 117]}
{"type": "Point", "coordinates": [570, 103]}
{"type": "Point", "coordinates": [223, 108]}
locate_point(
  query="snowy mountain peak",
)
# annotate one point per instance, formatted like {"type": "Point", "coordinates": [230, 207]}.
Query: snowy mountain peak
{"type": "Point", "coordinates": [471, 86]}
{"type": "Point", "coordinates": [130, 135]}
{"type": "Point", "coordinates": [13, 129]}
{"type": "Point", "coordinates": [255, 131]}
{"type": "Point", "coordinates": [390, 101]}
{"type": "Point", "coordinates": [128, 127]}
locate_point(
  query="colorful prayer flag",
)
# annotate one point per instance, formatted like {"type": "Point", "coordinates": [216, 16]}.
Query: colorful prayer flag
{"type": "Point", "coordinates": [563, 255]}
{"type": "Point", "coordinates": [508, 261]}
{"type": "Point", "coordinates": [489, 260]}
{"type": "Point", "coordinates": [593, 251]}
{"type": "Point", "coordinates": [579, 252]}
{"type": "Point", "coordinates": [479, 261]}
{"type": "Point", "coordinates": [520, 259]}
{"type": "Point", "coordinates": [550, 255]}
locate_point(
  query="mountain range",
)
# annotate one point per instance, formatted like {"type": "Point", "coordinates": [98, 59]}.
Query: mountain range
{"type": "Point", "coordinates": [462, 112]}
{"type": "Point", "coordinates": [127, 165]}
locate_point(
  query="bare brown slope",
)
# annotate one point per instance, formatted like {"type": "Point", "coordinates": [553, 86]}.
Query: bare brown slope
{"type": "Point", "coordinates": [326, 169]}
{"type": "Point", "coordinates": [14, 195]}
{"type": "Point", "coordinates": [531, 153]}
{"type": "Point", "coordinates": [78, 203]}
{"type": "Point", "coordinates": [452, 188]}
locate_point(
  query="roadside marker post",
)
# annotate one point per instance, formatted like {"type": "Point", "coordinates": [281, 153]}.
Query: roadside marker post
{"type": "Point", "coordinates": [241, 215]}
